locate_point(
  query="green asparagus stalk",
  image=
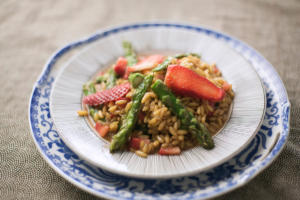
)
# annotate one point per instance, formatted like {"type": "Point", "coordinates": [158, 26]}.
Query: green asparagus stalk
{"type": "Point", "coordinates": [100, 79]}
{"type": "Point", "coordinates": [92, 111]}
{"type": "Point", "coordinates": [195, 55]}
{"type": "Point", "coordinates": [179, 56]}
{"type": "Point", "coordinates": [92, 88]}
{"type": "Point", "coordinates": [130, 120]}
{"type": "Point", "coordinates": [111, 79]}
{"type": "Point", "coordinates": [129, 53]}
{"type": "Point", "coordinates": [164, 64]}
{"type": "Point", "coordinates": [89, 88]}
{"type": "Point", "coordinates": [187, 119]}
{"type": "Point", "coordinates": [85, 90]}
{"type": "Point", "coordinates": [135, 79]}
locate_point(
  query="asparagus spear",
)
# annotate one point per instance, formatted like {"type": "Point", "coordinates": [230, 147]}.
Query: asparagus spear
{"type": "Point", "coordinates": [135, 79]}
{"type": "Point", "coordinates": [195, 55]}
{"type": "Point", "coordinates": [92, 111]}
{"type": "Point", "coordinates": [85, 90]}
{"type": "Point", "coordinates": [186, 55]}
{"type": "Point", "coordinates": [89, 88]}
{"type": "Point", "coordinates": [169, 59]}
{"type": "Point", "coordinates": [164, 64]}
{"type": "Point", "coordinates": [92, 88]}
{"type": "Point", "coordinates": [100, 79]}
{"type": "Point", "coordinates": [129, 53]}
{"type": "Point", "coordinates": [129, 121]}
{"type": "Point", "coordinates": [111, 79]}
{"type": "Point", "coordinates": [187, 119]}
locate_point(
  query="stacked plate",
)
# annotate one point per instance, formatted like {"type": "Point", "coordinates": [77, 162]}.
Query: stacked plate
{"type": "Point", "coordinates": [253, 136]}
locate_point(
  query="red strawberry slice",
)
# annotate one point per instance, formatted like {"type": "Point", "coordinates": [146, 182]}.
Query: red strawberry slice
{"type": "Point", "coordinates": [226, 86]}
{"type": "Point", "coordinates": [100, 73]}
{"type": "Point", "coordinates": [107, 95]}
{"type": "Point", "coordinates": [127, 72]}
{"type": "Point", "coordinates": [186, 82]}
{"type": "Point", "coordinates": [169, 151]}
{"type": "Point", "coordinates": [135, 142]}
{"type": "Point", "coordinates": [102, 129]}
{"type": "Point", "coordinates": [147, 63]}
{"type": "Point", "coordinates": [121, 65]}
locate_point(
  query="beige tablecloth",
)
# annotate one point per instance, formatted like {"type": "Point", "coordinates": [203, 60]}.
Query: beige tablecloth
{"type": "Point", "coordinates": [30, 31]}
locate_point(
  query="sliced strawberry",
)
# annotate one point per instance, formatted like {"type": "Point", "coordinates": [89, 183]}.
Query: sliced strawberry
{"type": "Point", "coordinates": [121, 65]}
{"type": "Point", "coordinates": [226, 86]}
{"type": "Point", "coordinates": [169, 151]}
{"type": "Point", "coordinates": [127, 72]}
{"type": "Point", "coordinates": [107, 95]}
{"type": "Point", "coordinates": [102, 129]}
{"type": "Point", "coordinates": [135, 142]}
{"type": "Point", "coordinates": [186, 82]}
{"type": "Point", "coordinates": [148, 63]}
{"type": "Point", "coordinates": [101, 73]}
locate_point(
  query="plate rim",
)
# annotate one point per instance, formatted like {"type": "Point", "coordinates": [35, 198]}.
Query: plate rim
{"type": "Point", "coordinates": [151, 176]}
{"type": "Point", "coordinates": [259, 167]}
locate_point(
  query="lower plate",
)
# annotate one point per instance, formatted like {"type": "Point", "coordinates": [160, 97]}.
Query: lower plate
{"type": "Point", "coordinates": [261, 151]}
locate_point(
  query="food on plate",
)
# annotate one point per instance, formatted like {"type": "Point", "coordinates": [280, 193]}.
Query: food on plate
{"type": "Point", "coordinates": [157, 104]}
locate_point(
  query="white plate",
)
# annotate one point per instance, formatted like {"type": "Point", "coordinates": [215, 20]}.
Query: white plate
{"type": "Point", "coordinates": [247, 114]}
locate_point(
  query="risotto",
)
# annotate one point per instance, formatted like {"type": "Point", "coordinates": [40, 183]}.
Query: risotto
{"type": "Point", "coordinates": [157, 104]}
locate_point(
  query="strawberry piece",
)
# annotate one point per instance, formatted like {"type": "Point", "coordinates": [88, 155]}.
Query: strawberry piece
{"type": "Point", "coordinates": [102, 129]}
{"type": "Point", "coordinates": [186, 82]}
{"type": "Point", "coordinates": [107, 95]}
{"type": "Point", "coordinates": [169, 151]}
{"type": "Point", "coordinates": [121, 65]}
{"type": "Point", "coordinates": [226, 86]}
{"type": "Point", "coordinates": [148, 63]}
{"type": "Point", "coordinates": [213, 105]}
{"type": "Point", "coordinates": [100, 73]}
{"type": "Point", "coordinates": [127, 72]}
{"type": "Point", "coordinates": [123, 98]}
{"type": "Point", "coordinates": [135, 142]}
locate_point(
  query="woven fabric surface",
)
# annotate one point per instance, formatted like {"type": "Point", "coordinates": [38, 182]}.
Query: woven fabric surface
{"type": "Point", "coordinates": [30, 31]}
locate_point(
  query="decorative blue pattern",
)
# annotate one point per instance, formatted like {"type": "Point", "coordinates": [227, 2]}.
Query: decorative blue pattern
{"type": "Point", "coordinates": [207, 184]}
